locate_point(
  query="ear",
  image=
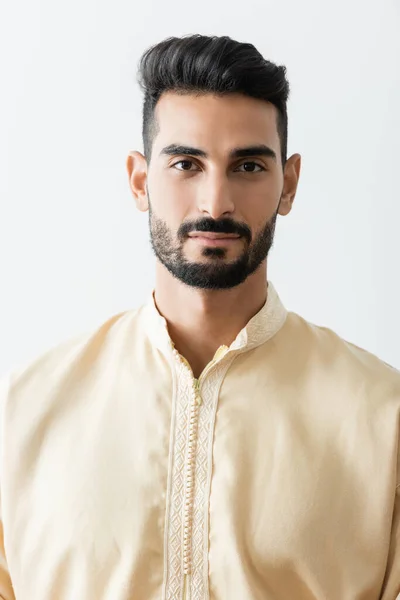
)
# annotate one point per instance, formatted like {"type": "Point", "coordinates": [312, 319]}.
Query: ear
{"type": "Point", "coordinates": [136, 165]}
{"type": "Point", "coordinates": [290, 182]}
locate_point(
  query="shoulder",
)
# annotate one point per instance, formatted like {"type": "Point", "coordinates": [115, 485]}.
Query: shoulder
{"type": "Point", "coordinates": [343, 360]}
{"type": "Point", "coordinates": [31, 392]}
{"type": "Point", "coordinates": [73, 356]}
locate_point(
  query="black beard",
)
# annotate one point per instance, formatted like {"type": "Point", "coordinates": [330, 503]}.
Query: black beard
{"type": "Point", "coordinates": [215, 274]}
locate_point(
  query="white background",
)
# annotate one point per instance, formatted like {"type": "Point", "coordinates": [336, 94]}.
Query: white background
{"type": "Point", "coordinates": [74, 250]}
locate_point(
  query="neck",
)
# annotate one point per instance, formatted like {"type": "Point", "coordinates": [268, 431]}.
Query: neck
{"type": "Point", "coordinates": [200, 321]}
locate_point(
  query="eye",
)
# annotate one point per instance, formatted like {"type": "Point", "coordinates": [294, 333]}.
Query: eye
{"type": "Point", "coordinates": [186, 164]}
{"type": "Point", "coordinates": [251, 164]}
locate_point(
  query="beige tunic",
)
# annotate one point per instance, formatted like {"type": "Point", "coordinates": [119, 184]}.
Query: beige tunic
{"type": "Point", "coordinates": [275, 476]}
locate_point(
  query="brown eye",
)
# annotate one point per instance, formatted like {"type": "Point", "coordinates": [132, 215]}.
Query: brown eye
{"type": "Point", "coordinates": [186, 164]}
{"type": "Point", "coordinates": [251, 167]}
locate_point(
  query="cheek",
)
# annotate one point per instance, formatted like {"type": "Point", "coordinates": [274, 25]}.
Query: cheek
{"type": "Point", "coordinates": [261, 206]}
{"type": "Point", "coordinates": [258, 214]}
{"type": "Point", "coordinates": [171, 202]}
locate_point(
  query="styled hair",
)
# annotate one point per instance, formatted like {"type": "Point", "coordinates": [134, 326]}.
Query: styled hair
{"type": "Point", "coordinates": [198, 64]}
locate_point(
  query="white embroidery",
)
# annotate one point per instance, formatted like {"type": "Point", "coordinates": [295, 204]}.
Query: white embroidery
{"type": "Point", "coordinates": [190, 473]}
{"type": "Point", "coordinates": [175, 506]}
{"type": "Point", "coordinates": [209, 393]}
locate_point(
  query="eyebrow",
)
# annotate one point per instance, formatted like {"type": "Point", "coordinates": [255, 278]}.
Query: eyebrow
{"type": "Point", "coordinates": [259, 150]}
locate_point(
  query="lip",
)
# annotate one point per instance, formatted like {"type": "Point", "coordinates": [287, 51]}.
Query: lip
{"type": "Point", "coordinates": [214, 236]}
{"type": "Point", "coordinates": [215, 239]}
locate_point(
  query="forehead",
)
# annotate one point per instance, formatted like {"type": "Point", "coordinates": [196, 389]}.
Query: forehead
{"type": "Point", "coordinates": [215, 122]}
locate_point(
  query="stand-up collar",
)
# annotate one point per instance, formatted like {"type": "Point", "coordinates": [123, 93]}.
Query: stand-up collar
{"type": "Point", "coordinates": [261, 328]}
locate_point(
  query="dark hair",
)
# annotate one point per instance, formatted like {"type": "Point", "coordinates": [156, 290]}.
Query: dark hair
{"type": "Point", "coordinates": [200, 64]}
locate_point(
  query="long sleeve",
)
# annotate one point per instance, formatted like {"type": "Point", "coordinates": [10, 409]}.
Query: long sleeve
{"type": "Point", "coordinates": [391, 586]}
{"type": "Point", "coordinates": [6, 589]}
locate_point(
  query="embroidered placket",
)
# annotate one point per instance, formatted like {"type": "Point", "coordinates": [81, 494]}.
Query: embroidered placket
{"type": "Point", "coordinates": [187, 522]}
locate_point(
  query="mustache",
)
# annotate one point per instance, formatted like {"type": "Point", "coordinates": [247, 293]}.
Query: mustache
{"type": "Point", "coordinates": [211, 226]}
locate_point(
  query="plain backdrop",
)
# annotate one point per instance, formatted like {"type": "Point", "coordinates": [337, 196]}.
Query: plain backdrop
{"type": "Point", "coordinates": [73, 248]}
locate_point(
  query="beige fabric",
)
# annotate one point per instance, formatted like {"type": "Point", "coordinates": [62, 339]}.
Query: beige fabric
{"type": "Point", "coordinates": [273, 477]}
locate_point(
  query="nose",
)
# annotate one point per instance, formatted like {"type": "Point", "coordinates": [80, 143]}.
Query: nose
{"type": "Point", "coordinates": [215, 197]}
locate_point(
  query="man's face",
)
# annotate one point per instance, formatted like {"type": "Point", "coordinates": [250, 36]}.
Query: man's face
{"type": "Point", "coordinates": [215, 170]}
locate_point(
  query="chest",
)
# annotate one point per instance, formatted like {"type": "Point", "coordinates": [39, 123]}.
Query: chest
{"type": "Point", "coordinates": [152, 487]}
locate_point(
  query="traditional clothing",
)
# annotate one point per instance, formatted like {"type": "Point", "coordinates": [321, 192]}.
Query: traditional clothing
{"type": "Point", "coordinates": [274, 476]}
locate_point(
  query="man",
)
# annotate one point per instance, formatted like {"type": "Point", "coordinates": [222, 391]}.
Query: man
{"type": "Point", "coordinates": [210, 444]}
